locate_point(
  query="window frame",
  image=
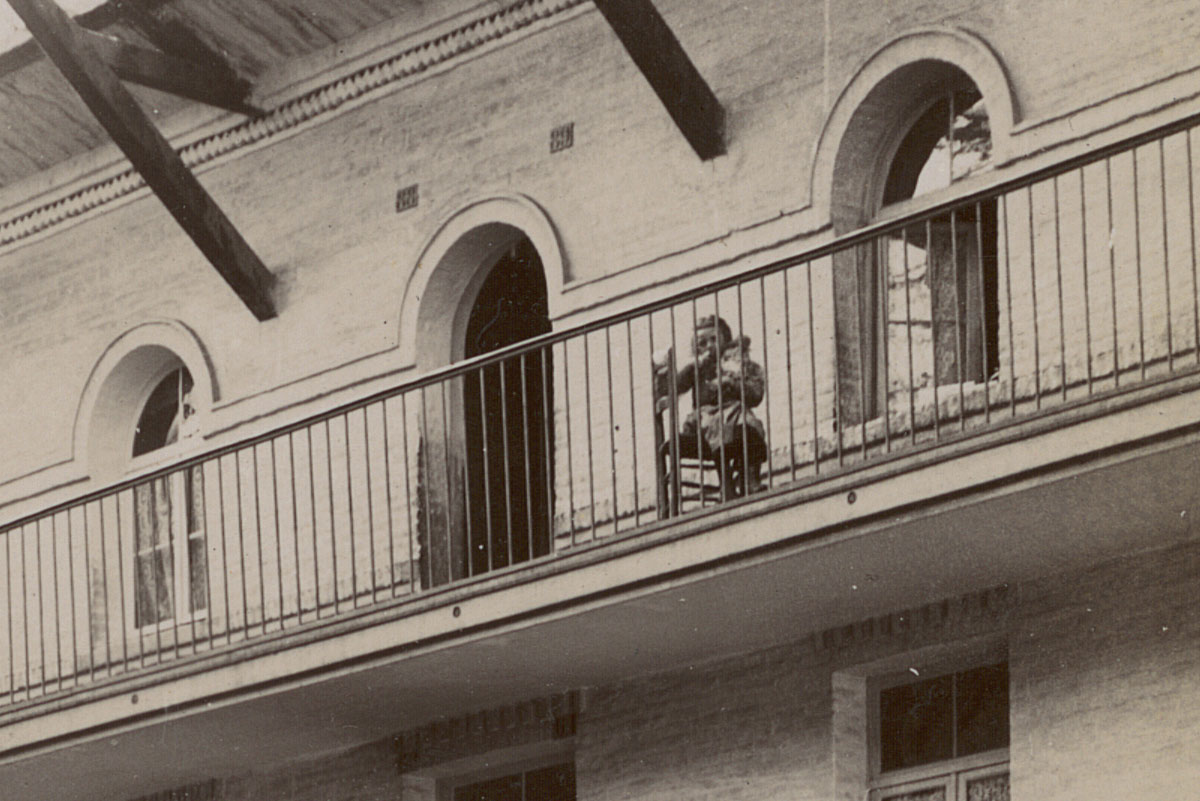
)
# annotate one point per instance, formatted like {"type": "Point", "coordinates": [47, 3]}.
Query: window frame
{"type": "Point", "coordinates": [146, 463]}
{"type": "Point", "coordinates": [438, 781]}
{"type": "Point", "coordinates": [860, 188]}
{"type": "Point", "coordinates": [446, 787]}
{"type": "Point", "coordinates": [953, 773]}
{"type": "Point", "coordinates": [975, 316]}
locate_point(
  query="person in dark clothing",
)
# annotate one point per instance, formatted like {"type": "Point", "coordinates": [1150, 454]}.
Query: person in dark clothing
{"type": "Point", "coordinates": [726, 384]}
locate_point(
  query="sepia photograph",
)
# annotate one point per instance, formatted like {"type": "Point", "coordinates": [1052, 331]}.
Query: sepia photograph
{"type": "Point", "coordinates": [599, 400]}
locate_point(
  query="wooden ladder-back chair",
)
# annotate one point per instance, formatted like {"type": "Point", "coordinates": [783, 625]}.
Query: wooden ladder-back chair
{"type": "Point", "coordinates": [683, 482]}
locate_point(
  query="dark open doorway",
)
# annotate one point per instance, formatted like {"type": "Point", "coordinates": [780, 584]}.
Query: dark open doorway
{"type": "Point", "coordinates": [506, 414]}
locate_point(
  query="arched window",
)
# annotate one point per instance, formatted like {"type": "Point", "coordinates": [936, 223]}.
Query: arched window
{"type": "Point", "coordinates": [950, 141]}
{"type": "Point", "coordinates": [164, 412]}
{"type": "Point", "coordinates": [941, 305]}
{"type": "Point", "coordinates": [917, 308]}
{"type": "Point", "coordinates": [169, 549]}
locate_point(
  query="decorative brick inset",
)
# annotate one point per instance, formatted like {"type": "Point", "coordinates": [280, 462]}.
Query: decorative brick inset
{"type": "Point", "coordinates": [562, 137]}
{"type": "Point", "coordinates": [204, 791]}
{"type": "Point", "coordinates": [990, 603]}
{"type": "Point", "coordinates": [539, 720]}
{"type": "Point", "coordinates": [408, 197]}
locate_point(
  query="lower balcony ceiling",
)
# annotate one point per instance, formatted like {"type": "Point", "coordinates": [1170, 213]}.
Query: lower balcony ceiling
{"type": "Point", "coordinates": [681, 601]}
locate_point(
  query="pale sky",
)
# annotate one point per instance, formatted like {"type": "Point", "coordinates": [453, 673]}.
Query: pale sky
{"type": "Point", "coordinates": [12, 30]}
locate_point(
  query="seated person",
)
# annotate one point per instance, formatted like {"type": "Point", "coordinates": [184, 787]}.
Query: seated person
{"type": "Point", "coordinates": [726, 385]}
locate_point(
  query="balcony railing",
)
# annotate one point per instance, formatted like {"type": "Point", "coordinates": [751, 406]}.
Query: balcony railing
{"type": "Point", "coordinates": [1062, 285]}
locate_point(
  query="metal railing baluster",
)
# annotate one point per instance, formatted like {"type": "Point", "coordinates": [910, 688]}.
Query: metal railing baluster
{"type": "Point", "coordinates": [612, 428]}
{"type": "Point", "coordinates": [812, 372]}
{"type": "Point", "coordinates": [1137, 260]}
{"type": "Point", "coordinates": [1192, 233]}
{"type": "Point", "coordinates": [1037, 337]}
{"type": "Point", "coordinates": [633, 441]}
{"type": "Point", "coordinates": [1062, 329]}
{"type": "Point", "coordinates": [791, 392]}
{"type": "Point", "coordinates": [370, 489]}
{"type": "Point", "coordinates": [1166, 250]}
{"type": "Point", "coordinates": [350, 509]}
{"type": "Point", "coordinates": [1084, 266]}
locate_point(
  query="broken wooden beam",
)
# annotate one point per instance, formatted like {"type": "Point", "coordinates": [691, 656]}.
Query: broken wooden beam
{"type": "Point", "coordinates": [68, 47]}
{"type": "Point", "coordinates": [169, 73]}
{"type": "Point", "coordinates": [671, 74]}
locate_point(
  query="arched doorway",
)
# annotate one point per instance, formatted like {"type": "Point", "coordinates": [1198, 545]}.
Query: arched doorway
{"type": "Point", "coordinates": [487, 447]}
{"type": "Point", "coordinates": [506, 417]}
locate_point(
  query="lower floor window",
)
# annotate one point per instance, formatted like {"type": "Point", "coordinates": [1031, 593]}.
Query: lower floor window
{"type": "Point", "coordinates": [944, 738]}
{"type": "Point", "coordinates": [169, 560]}
{"type": "Point", "coordinates": [551, 783]}
{"type": "Point", "coordinates": [988, 783]}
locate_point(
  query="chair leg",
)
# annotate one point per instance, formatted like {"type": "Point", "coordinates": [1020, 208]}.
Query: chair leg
{"type": "Point", "coordinates": [737, 481]}
{"type": "Point", "coordinates": [663, 491]}
{"type": "Point", "coordinates": [729, 479]}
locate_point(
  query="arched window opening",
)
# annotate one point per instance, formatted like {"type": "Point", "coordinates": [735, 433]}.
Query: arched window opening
{"type": "Point", "coordinates": [169, 549]}
{"type": "Point", "coordinates": [949, 142]}
{"type": "Point", "coordinates": [942, 308]}
{"type": "Point", "coordinates": [164, 412]}
{"type": "Point", "coordinates": [917, 307]}
{"type": "Point", "coordinates": [507, 425]}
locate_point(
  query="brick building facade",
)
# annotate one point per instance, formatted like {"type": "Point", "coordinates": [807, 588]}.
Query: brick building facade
{"type": "Point", "coordinates": [438, 528]}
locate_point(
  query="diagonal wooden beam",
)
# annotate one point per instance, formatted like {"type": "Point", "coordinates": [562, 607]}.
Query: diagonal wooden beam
{"type": "Point", "coordinates": [679, 85]}
{"type": "Point", "coordinates": [151, 154]}
{"type": "Point", "coordinates": [168, 73]}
